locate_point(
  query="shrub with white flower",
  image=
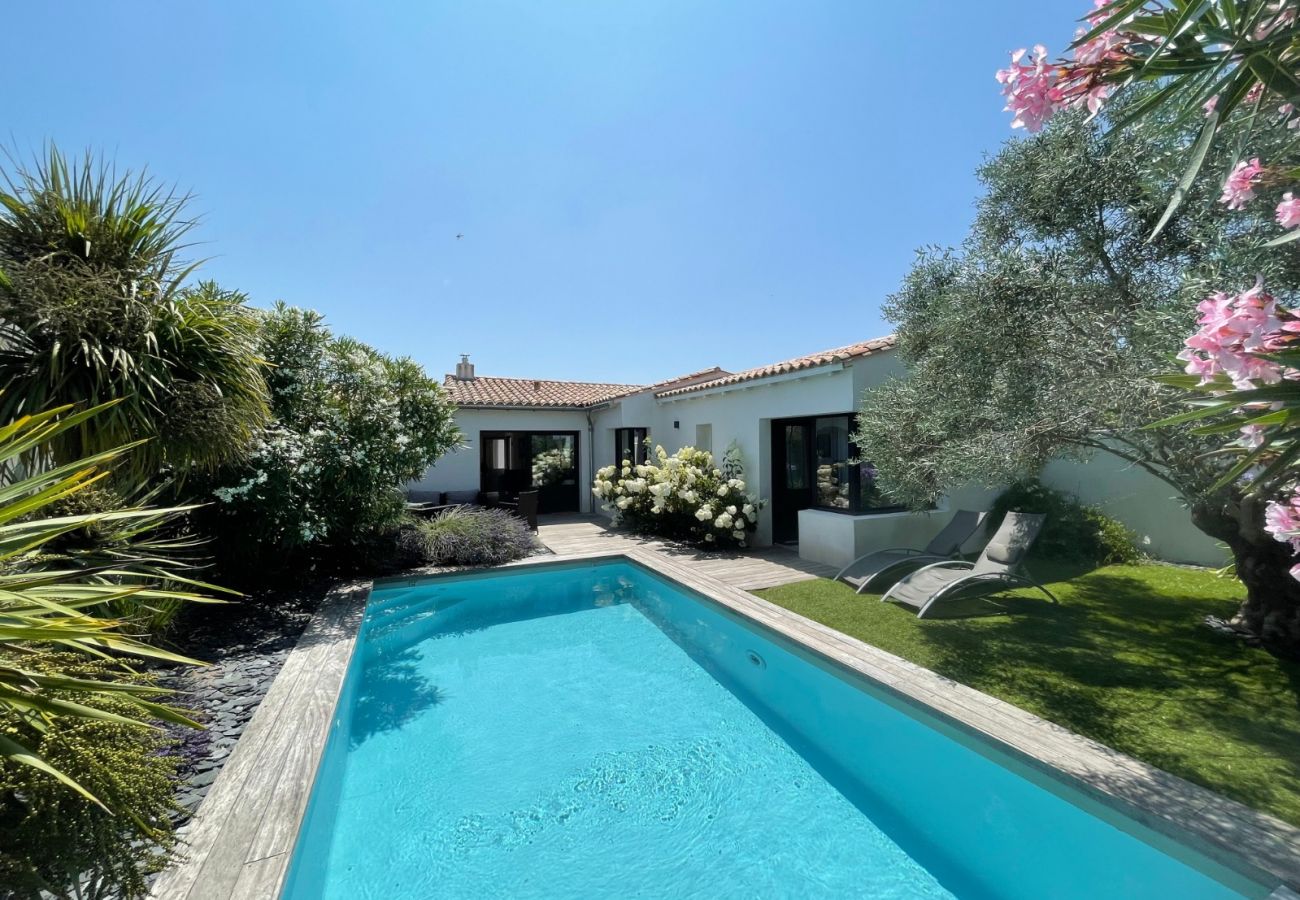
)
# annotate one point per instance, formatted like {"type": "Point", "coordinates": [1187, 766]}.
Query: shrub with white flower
{"type": "Point", "coordinates": [350, 426]}
{"type": "Point", "coordinates": [681, 496]}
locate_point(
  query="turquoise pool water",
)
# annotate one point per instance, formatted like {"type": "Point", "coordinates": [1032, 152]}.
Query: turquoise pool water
{"type": "Point", "coordinates": [596, 731]}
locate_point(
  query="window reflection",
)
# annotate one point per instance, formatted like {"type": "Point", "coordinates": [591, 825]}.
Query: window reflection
{"type": "Point", "coordinates": [834, 478]}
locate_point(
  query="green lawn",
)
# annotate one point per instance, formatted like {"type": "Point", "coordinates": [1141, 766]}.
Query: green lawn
{"type": "Point", "coordinates": [1123, 659]}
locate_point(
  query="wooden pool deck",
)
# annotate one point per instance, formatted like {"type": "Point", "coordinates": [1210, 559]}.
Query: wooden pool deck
{"type": "Point", "coordinates": [749, 570]}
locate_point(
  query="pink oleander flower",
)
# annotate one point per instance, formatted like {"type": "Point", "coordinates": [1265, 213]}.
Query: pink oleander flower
{"type": "Point", "coordinates": [1277, 14]}
{"type": "Point", "coordinates": [1235, 327]}
{"type": "Point", "coordinates": [1256, 91]}
{"type": "Point", "coordinates": [1288, 211]}
{"type": "Point", "coordinates": [1030, 89]}
{"type": "Point", "coordinates": [1282, 520]}
{"type": "Point", "coordinates": [1252, 436]}
{"type": "Point", "coordinates": [1210, 104]}
{"type": "Point", "coordinates": [1239, 189]}
{"type": "Point", "coordinates": [1037, 90]}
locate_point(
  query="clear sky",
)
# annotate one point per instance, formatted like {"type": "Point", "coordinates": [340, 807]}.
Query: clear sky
{"type": "Point", "coordinates": [644, 187]}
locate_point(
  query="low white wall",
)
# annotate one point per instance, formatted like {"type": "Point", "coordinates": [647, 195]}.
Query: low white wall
{"type": "Point", "coordinates": [837, 539]}
{"type": "Point", "coordinates": [1142, 502]}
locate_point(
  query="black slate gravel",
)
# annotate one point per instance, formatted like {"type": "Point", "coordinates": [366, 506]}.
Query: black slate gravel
{"type": "Point", "coordinates": [244, 643]}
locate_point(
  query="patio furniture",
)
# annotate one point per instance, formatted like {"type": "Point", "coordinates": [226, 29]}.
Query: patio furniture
{"type": "Point", "coordinates": [462, 498]}
{"type": "Point", "coordinates": [999, 567]}
{"type": "Point", "coordinates": [525, 507]}
{"type": "Point", "coordinates": [427, 504]}
{"type": "Point", "coordinates": [943, 546]}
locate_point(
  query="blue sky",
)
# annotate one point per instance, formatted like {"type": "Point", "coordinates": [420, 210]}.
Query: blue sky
{"type": "Point", "coordinates": [645, 187]}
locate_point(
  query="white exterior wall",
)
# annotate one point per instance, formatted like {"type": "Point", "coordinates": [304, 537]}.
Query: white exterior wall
{"type": "Point", "coordinates": [1142, 502]}
{"type": "Point", "coordinates": [743, 412]}
{"type": "Point", "coordinates": [459, 469]}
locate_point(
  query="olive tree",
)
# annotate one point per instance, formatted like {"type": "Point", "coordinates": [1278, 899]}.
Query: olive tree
{"type": "Point", "coordinates": [1038, 337]}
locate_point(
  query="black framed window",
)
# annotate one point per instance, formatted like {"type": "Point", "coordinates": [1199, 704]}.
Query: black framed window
{"type": "Point", "coordinates": [544, 461]}
{"type": "Point", "coordinates": [844, 481]}
{"type": "Point", "coordinates": [629, 444]}
{"type": "Point", "coordinates": [822, 467]}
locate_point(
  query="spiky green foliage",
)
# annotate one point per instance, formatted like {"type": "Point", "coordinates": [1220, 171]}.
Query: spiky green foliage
{"type": "Point", "coordinates": [53, 843]}
{"type": "Point", "coordinates": [94, 307]}
{"type": "Point", "coordinates": [55, 599]}
{"type": "Point", "coordinates": [1213, 62]}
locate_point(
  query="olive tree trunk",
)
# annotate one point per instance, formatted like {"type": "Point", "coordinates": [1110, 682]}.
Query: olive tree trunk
{"type": "Point", "coordinates": [1271, 610]}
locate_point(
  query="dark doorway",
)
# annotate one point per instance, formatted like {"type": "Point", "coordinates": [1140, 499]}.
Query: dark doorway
{"type": "Point", "coordinates": [544, 461]}
{"type": "Point", "coordinates": [791, 476]}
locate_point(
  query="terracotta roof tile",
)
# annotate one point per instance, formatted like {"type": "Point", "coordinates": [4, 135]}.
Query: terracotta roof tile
{"type": "Point", "coordinates": [825, 357]}
{"type": "Point", "coordinates": [528, 392]}
{"type": "Point", "coordinates": [711, 374]}
{"type": "Point", "coordinates": [490, 391]}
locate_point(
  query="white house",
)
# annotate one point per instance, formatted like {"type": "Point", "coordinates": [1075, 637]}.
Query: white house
{"type": "Point", "coordinates": [791, 422]}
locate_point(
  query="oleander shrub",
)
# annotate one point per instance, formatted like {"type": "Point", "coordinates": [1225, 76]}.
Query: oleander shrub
{"type": "Point", "coordinates": [466, 536]}
{"type": "Point", "coordinates": [1073, 531]}
{"type": "Point", "coordinates": [54, 842]}
{"type": "Point", "coordinates": [683, 496]}
{"type": "Point", "coordinates": [350, 426]}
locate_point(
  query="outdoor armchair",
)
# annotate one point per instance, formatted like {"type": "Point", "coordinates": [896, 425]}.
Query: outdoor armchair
{"type": "Point", "coordinates": [999, 567]}
{"type": "Point", "coordinates": [892, 561]}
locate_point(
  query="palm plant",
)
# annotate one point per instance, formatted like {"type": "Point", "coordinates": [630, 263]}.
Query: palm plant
{"type": "Point", "coordinates": [94, 306]}
{"type": "Point", "coordinates": [57, 601]}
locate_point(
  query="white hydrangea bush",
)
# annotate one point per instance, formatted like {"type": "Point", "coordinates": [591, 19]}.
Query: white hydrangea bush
{"type": "Point", "coordinates": [682, 496]}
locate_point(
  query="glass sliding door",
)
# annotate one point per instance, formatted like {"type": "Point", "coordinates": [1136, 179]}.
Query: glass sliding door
{"type": "Point", "coordinates": [791, 477]}
{"type": "Point", "coordinates": [553, 462]}
{"type": "Point", "coordinates": [511, 462]}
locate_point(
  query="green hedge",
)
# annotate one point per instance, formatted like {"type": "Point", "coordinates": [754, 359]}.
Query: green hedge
{"type": "Point", "coordinates": [1073, 531]}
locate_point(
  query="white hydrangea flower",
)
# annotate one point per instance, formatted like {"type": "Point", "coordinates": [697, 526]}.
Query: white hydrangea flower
{"type": "Point", "coordinates": [704, 513]}
{"type": "Point", "coordinates": [738, 535]}
{"type": "Point", "coordinates": [731, 510]}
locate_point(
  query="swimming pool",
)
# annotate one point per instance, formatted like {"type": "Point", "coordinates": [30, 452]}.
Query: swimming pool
{"type": "Point", "coordinates": [597, 730]}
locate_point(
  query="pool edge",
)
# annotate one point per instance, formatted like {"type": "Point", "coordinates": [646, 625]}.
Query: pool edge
{"type": "Point", "coordinates": [241, 841]}
{"type": "Point", "coordinates": [1255, 844]}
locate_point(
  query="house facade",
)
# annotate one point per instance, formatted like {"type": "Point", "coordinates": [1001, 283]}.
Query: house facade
{"type": "Point", "coordinates": [789, 421]}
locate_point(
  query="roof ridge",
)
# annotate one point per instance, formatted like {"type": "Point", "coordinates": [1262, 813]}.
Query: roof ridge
{"type": "Point", "coordinates": [807, 361]}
